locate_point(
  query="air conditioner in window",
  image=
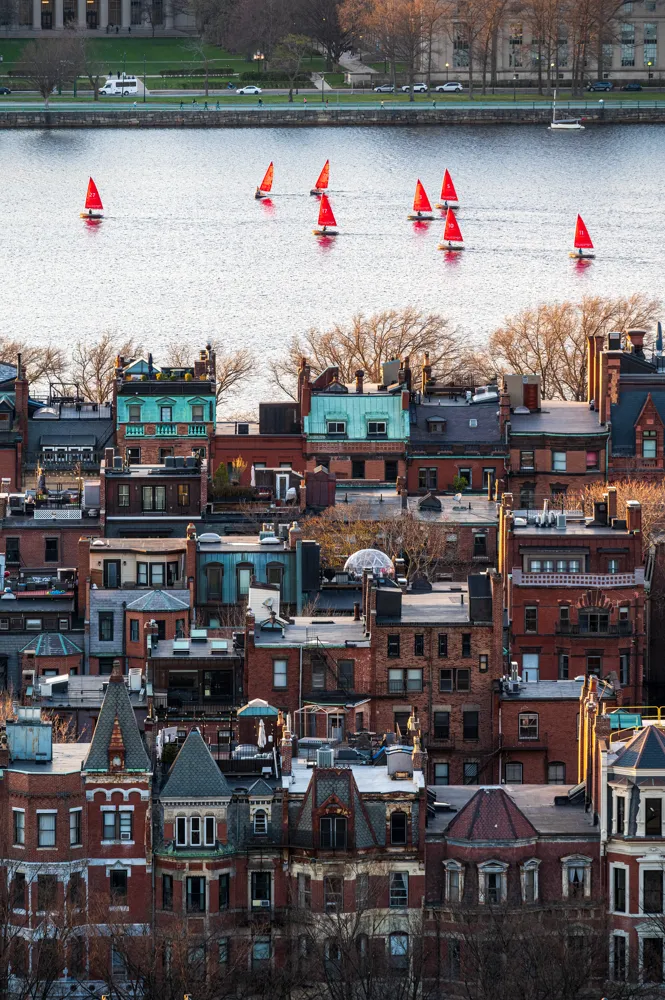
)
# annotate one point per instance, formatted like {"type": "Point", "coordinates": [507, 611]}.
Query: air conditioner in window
{"type": "Point", "coordinates": [125, 836]}
{"type": "Point", "coordinates": [261, 903]}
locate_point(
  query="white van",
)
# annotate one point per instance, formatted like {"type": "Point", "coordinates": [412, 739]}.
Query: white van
{"type": "Point", "coordinates": [125, 87]}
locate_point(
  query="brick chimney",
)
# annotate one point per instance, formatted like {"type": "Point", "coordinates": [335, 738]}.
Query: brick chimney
{"type": "Point", "coordinates": [426, 374]}
{"type": "Point", "coordinates": [504, 412]}
{"type": "Point", "coordinates": [204, 484]}
{"type": "Point", "coordinates": [286, 752]}
{"type": "Point", "coordinates": [304, 387]}
{"type": "Point", "coordinates": [634, 516]}
{"type": "Point", "coordinates": [611, 498]}
{"type": "Point", "coordinates": [21, 393]}
{"type": "Point", "coordinates": [360, 380]}
{"type": "Point", "coordinates": [295, 535]}
{"type": "Point", "coordinates": [636, 338]}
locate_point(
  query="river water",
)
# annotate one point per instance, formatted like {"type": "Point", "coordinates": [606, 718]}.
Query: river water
{"type": "Point", "coordinates": [185, 253]}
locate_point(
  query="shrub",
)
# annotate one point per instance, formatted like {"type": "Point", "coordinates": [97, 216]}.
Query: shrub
{"type": "Point", "coordinates": [188, 377]}
{"type": "Point", "coordinates": [159, 376]}
{"type": "Point", "coordinates": [273, 76]}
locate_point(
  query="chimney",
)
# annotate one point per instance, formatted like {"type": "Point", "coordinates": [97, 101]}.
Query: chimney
{"type": "Point", "coordinates": [4, 750]}
{"type": "Point", "coordinates": [360, 377]}
{"type": "Point", "coordinates": [634, 516]}
{"type": "Point", "coordinates": [611, 497]}
{"type": "Point", "coordinates": [108, 457]}
{"type": "Point", "coordinates": [116, 673]}
{"type": "Point", "coordinates": [504, 412]}
{"type": "Point", "coordinates": [636, 338]}
{"type": "Point", "coordinates": [418, 756]}
{"type": "Point", "coordinates": [286, 752]}
{"type": "Point", "coordinates": [426, 374]}
{"type": "Point", "coordinates": [405, 372]}
{"type": "Point", "coordinates": [295, 535]}
{"type": "Point", "coordinates": [356, 611]}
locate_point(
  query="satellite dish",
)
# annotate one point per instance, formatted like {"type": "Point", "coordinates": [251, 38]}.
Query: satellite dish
{"type": "Point", "coordinates": [268, 603]}
{"type": "Point", "coordinates": [458, 497]}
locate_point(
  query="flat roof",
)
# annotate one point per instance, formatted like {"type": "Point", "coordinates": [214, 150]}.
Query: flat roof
{"type": "Point", "coordinates": [575, 528]}
{"type": "Point", "coordinates": [558, 416]}
{"type": "Point", "coordinates": [368, 779]}
{"type": "Point", "coordinates": [535, 801]}
{"type": "Point", "coordinates": [246, 543]}
{"type": "Point", "coordinates": [444, 603]}
{"type": "Point", "coordinates": [68, 758]}
{"type": "Point", "coordinates": [336, 631]}
{"type": "Point", "coordinates": [138, 544]}
{"type": "Point", "coordinates": [545, 691]}
{"type": "Point", "coordinates": [195, 649]}
{"type": "Point", "coordinates": [375, 504]}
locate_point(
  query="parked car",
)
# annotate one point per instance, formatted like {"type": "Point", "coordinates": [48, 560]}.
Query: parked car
{"type": "Point", "coordinates": [632, 86]}
{"type": "Point", "coordinates": [251, 89]}
{"type": "Point", "coordinates": [384, 88]}
{"type": "Point", "coordinates": [5, 90]}
{"type": "Point", "coordinates": [601, 85]}
{"type": "Point", "coordinates": [453, 87]}
{"type": "Point", "coordinates": [418, 88]}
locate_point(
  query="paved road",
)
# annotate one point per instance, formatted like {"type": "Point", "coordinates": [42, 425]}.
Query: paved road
{"type": "Point", "coordinates": [250, 104]}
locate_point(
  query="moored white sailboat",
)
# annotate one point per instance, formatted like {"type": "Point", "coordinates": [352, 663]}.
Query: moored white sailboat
{"type": "Point", "coordinates": [564, 124]}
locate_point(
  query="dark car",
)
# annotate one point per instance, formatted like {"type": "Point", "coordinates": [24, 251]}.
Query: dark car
{"type": "Point", "coordinates": [5, 90]}
{"type": "Point", "coordinates": [632, 86]}
{"type": "Point", "coordinates": [601, 85]}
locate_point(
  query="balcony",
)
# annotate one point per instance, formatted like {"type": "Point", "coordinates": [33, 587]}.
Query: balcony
{"type": "Point", "coordinates": [578, 580]}
{"type": "Point", "coordinates": [134, 430]}
{"type": "Point", "coordinates": [406, 688]}
{"type": "Point", "coordinates": [570, 628]}
{"type": "Point", "coordinates": [166, 430]}
{"type": "Point", "coordinates": [197, 430]}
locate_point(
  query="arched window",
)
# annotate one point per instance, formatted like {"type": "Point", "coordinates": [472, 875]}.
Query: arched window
{"type": "Point", "coordinates": [576, 875]}
{"type": "Point", "coordinates": [181, 831]}
{"type": "Point", "coordinates": [260, 821]}
{"type": "Point", "coordinates": [492, 882]}
{"type": "Point", "coordinates": [362, 949]}
{"type": "Point", "coordinates": [398, 946]}
{"type": "Point", "coordinates": [556, 773]}
{"type": "Point", "coordinates": [529, 880]}
{"type": "Point", "coordinates": [399, 824]}
{"type": "Point", "coordinates": [214, 574]}
{"type": "Point", "coordinates": [454, 881]}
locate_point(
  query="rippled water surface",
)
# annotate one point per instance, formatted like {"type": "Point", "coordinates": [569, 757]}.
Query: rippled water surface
{"type": "Point", "coordinates": [186, 252]}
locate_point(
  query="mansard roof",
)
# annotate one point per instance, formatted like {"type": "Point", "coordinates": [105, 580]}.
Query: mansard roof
{"type": "Point", "coordinates": [645, 752]}
{"type": "Point", "coordinates": [195, 774]}
{"type": "Point", "coordinates": [491, 815]}
{"type": "Point", "coordinates": [116, 705]}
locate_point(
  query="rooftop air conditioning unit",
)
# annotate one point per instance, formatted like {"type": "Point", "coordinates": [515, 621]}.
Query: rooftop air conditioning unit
{"type": "Point", "coordinates": [325, 757]}
{"type": "Point", "coordinates": [117, 462]}
{"type": "Point", "coordinates": [561, 521]}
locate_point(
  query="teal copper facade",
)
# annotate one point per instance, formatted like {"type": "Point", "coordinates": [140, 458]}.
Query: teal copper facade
{"type": "Point", "coordinates": [359, 412]}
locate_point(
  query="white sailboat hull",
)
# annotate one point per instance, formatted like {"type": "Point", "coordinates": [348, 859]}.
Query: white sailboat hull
{"type": "Point", "coordinates": [566, 127]}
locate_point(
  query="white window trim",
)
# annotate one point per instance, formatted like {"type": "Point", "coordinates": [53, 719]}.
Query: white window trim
{"type": "Point", "coordinates": [626, 868]}
{"type": "Point", "coordinates": [21, 847]}
{"type": "Point", "coordinates": [651, 866]}
{"type": "Point", "coordinates": [615, 828]}
{"type": "Point", "coordinates": [532, 865]}
{"type": "Point", "coordinates": [270, 872]}
{"type": "Point", "coordinates": [576, 861]}
{"type": "Point", "coordinates": [647, 932]}
{"type": "Point", "coordinates": [615, 932]}
{"type": "Point", "coordinates": [458, 868]}
{"type": "Point", "coordinates": [519, 726]}
{"type": "Point", "coordinates": [79, 843]}
{"type": "Point", "coordinates": [492, 868]}
{"type": "Point", "coordinates": [649, 793]}
{"type": "Point", "coordinates": [209, 843]}
{"type": "Point", "coordinates": [181, 843]}
{"type": "Point", "coordinates": [190, 828]}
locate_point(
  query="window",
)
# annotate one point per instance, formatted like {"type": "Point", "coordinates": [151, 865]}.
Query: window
{"type": "Point", "coordinates": [198, 413]}
{"type": "Point", "coordinates": [467, 475]}
{"type": "Point", "coordinates": [46, 829]}
{"type": "Point", "coordinates": [183, 494]}
{"type": "Point", "coordinates": [195, 831]}
{"type": "Point", "coordinates": [18, 891]}
{"type": "Point", "coordinates": [619, 889]}
{"type": "Point", "coordinates": [333, 894]}
{"type": "Point", "coordinates": [118, 886]}
{"type": "Point", "coordinates": [336, 428]}
{"type": "Point", "coordinates": [377, 428]}
{"type": "Point", "coordinates": [576, 889]}
{"type": "Point", "coordinates": [346, 674]}
{"type": "Point", "coordinates": [442, 774]}
{"type": "Point", "coordinates": [167, 892]}
{"type": "Point", "coordinates": [653, 817]}
{"type": "Point", "coordinates": [443, 644]}
{"type": "Point", "coordinates": [613, 565]}
{"type": "Point", "coordinates": [441, 725]}
{"type": "Point", "coordinates": [556, 773]}
{"type": "Point", "coordinates": [624, 667]}
{"type": "Point", "coordinates": [648, 439]}
{"type": "Point", "coordinates": [427, 479]}
{"type": "Point", "coordinates": [260, 953]}
{"type": "Point", "coordinates": [260, 822]}
{"type": "Point", "coordinates": [76, 889]}
{"type": "Point", "coordinates": [47, 887]}
{"type": "Point", "coordinates": [479, 545]}
{"type": "Point", "coordinates": [214, 574]}
{"type": "Point", "coordinates": [157, 575]}
{"type": "Point", "coordinates": [362, 891]}
{"type": "Point", "coordinates": [133, 630]}
{"type": "Point", "coordinates": [592, 461]}
{"type": "Point", "coordinates": [390, 470]}
{"type": "Point", "coordinates": [558, 461]}
{"type": "Point", "coordinates": [196, 954]}
{"type": "Point", "coordinates": [531, 619]}
{"type": "Point", "coordinates": [652, 960]}
{"type": "Point", "coordinates": [492, 883]}
{"type": "Point", "coordinates": [279, 679]}
{"type": "Point", "coordinates": [106, 626]}
{"type": "Point", "coordinates": [596, 621]}
{"type": "Point", "coordinates": [470, 725]}
{"type": "Point", "coordinates": [419, 645]}
{"type": "Point", "coordinates": [244, 578]}
{"type": "Point", "coordinates": [357, 468]}
{"type": "Point", "coordinates": [620, 814]}
{"type": "Point", "coordinates": [134, 413]}
{"type": "Point", "coordinates": [526, 461]}
{"type": "Point", "coordinates": [332, 832]}
{"type": "Point", "coordinates": [618, 956]}
{"type": "Point", "coordinates": [454, 680]}
{"type": "Point", "coordinates": [117, 825]}
{"type": "Point", "coordinates": [513, 773]}
{"type": "Point", "coordinates": [393, 645]}
{"type": "Point", "coordinates": [530, 667]}
{"type": "Point", "coordinates": [470, 772]}
{"type": "Point", "coordinates": [181, 831]}
{"type": "Point", "coordinates": [528, 725]}
{"type": "Point", "coordinates": [111, 574]}
{"type": "Point", "coordinates": [304, 891]}
{"type": "Point", "coordinates": [153, 497]}
{"type": "Point", "coordinates": [165, 414]}
{"type": "Point", "coordinates": [594, 664]}
{"type": "Point", "coordinates": [652, 891]}
{"type": "Point", "coordinates": [453, 885]}
{"type": "Point", "coordinates": [318, 673]}
{"type": "Point", "coordinates": [399, 951]}
{"type": "Point", "coordinates": [530, 882]}
{"type": "Point", "coordinates": [196, 894]}
{"type": "Point", "coordinates": [19, 827]}
{"type": "Point", "coordinates": [224, 891]}
{"type": "Point", "coordinates": [51, 553]}
{"type": "Point", "coordinates": [399, 890]}
{"type": "Point", "coordinates": [466, 644]}
{"type": "Point", "coordinates": [261, 889]}
{"type": "Point", "coordinates": [563, 666]}
{"type": "Point", "coordinates": [75, 831]}
{"type": "Point", "coordinates": [399, 824]}
{"type": "Point", "coordinates": [33, 624]}
{"type": "Point", "coordinates": [453, 963]}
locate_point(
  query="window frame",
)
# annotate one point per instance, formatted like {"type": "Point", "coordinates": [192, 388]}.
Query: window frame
{"type": "Point", "coordinates": [398, 892]}
{"type": "Point", "coordinates": [528, 726]}
{"type": "Point", "coordinates": [47, 828]}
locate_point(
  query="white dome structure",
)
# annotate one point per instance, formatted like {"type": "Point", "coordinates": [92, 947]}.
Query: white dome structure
{"type": "Point", "coordinates": [372, 559]}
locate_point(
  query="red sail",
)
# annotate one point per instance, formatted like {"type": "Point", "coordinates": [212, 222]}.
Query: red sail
{"type": "Point", "coordinates": [452, 232]}
{"type": "Point", "coordinates": [324, 177]}
{"type": "Point", "coordinates": [448, 192]}
{"type": "Point", "coordinates": [266, 183]}
{"type": "Point", "coordinates": [92, 199]}
{"type": "Point", "coordinates": [420, 200]}
{"type": "Point", "coordinates": [326, 217]}
{"type": "Point", "coordinates": [582, 238]}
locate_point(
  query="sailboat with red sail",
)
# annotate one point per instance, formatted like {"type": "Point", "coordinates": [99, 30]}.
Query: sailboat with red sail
{"type": "Point", "coordinates": [449, 197]}
{"type": "Point", "coordinates": [421, 204]}
{"type": "Point", "coordinates": [326, 218]}
{"type": "Point", "coordinates": [93, 203]}
{"type": "Point", "coordinates": [322, 180]}
{"type": "Point", "coordinates": [265, 187]}
{"type": "Point", "coordinates": [452, 234]}
{"type": "Point", "coordinates": [582, 241]}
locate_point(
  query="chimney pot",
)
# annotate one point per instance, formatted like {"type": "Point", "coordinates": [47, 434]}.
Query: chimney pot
{"type": "Point", "coordinates": [360, 376]}
{"type": "Point", "coordinates": [636, 338]}
{"type": "Point", "coordinates": [356, 611]}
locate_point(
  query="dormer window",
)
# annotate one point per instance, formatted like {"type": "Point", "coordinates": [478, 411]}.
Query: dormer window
{"type": "Point", "coordinates": [576, 875]}
{"type": "Point", "coordinates": [198, 413]}
{"type": "Point", "coordinates": [454, 881]}
{"type": "Point", "coordinates": [653, 817]}
{"type": "Point", "coordinates": [260, 822]}
{"type": "Point", "coordinates": [165, 414]}
{"type": "Point", "coordinates": [336, 428]}
{"type": "Point", "coordinates": [436, 426]}
{"type": "Point", "coordinates": [492, 882]}
{"type": "Point", "coordinates": [649, 441]}
{"type": "Point", "coordinates": [377, 428]}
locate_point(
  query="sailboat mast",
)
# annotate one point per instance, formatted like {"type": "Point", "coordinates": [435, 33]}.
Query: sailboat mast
{"type": "Point", "coordinates": [554, 108]}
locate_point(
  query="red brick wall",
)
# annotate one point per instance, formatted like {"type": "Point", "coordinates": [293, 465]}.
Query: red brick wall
{"type": "Point", "coordinates": [32, 546]}
{"type": "Point", "coordinates": [557, 738]}
{"type": "Point", "coordinates": [448, 468]}
{"type": "Point", "coordinates": [271, 449]}
{"type": "Point", "coordinates": [150, 446]}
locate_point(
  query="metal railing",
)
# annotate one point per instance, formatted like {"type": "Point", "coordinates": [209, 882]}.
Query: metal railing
{"type": "Point", "coordinates": [522, 579]}
{"type": "Point", "coordinates": [617, 628]}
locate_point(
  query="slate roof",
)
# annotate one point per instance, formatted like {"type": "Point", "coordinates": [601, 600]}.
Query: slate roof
{"type": "Point", "coordinates": [117, 704]}
{"type": "Point", "coordinates": [52, 644]}
{"type": "Point", "coordinates": [66, 432]}
{"type": "Point", "coordinates": [261, 787]}
{"type": "Point", "coordinates": [194, 773]}
{"type": "Point", "coordinates": [645, 752]}
{"type": "Point", "coordinates": [624, 413]}
{"type": "Point", "coordinates": [158, 600]}
{"type": "Point", "coordinates": [458, 429]}
{"type": "Point", "coordinates": [116, 601]}
{"type": "Point", "coordinates": [491, 815]}
{"type": "Point", "coordinates": [7, 372]}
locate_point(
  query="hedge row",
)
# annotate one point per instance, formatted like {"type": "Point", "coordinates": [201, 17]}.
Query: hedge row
{"type": "Point", "coordinates": [276, 75]}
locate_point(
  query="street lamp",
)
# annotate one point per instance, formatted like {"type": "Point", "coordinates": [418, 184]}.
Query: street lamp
{"type": "Point", "coordinates": [649, 65]}
{"type": "Point", "coordinates": [124, 64]}
{"type": "Point", "coordinates": [447, 68]}
{"type": "Point", "coordinates": [144, 76]}
{"type": "Point", "coordinates": [258, 57]}
{"type": "Point", "coordinates": [515, 79]}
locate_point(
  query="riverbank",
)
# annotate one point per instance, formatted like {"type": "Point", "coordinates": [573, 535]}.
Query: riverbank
{"type": "Point", "coordinates": [150, 116]}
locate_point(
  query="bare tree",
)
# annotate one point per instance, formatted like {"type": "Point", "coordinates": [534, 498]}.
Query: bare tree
{"type": "Point", "coordinates": [288, 56]}
{"type": "Point", "coordinates": [93, 363]}
{"type": "Point", "coordinates": [321, 22]}
{"type": "Point", "coordinates": [232, 367]}
{"type": "Point", "coordinates": [200, 50]}
{"type": "Point", "coordinates": [91, 63]}
{"type": "Point", "coordinates": [48, 63]}
{"type": "Point", "coordinates": [41, 364]}
{"type": "Point", "coordinates": [367, 341]}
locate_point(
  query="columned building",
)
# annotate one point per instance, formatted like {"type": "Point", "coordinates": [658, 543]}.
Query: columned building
{"type": "Point", "coordinates": [109, 16]}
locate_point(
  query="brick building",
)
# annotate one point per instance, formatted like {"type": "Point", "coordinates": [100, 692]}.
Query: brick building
{"type": "Point", "coordinates": [574, 591]}
{"type": "Point", "coordinates": [274, 442]}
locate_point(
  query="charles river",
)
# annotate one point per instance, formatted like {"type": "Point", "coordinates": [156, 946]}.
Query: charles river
{"type": "Point", "coordinates": [186, 253]}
